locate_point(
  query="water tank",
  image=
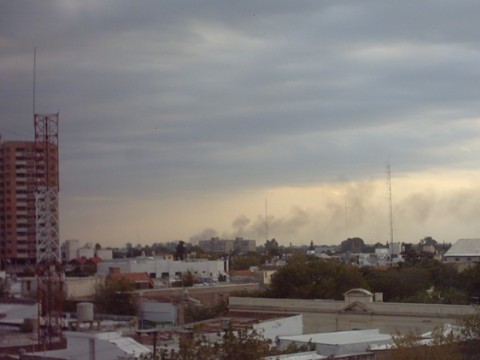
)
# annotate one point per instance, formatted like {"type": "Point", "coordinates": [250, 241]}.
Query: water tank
{"type": "Point", "coordinates": [84, 311]}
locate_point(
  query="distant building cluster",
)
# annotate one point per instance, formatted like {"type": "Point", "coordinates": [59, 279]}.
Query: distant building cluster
{"type": "Point", "coordinates": [71, 250]}
{"type": "Point", "coordinates": [225, 246]}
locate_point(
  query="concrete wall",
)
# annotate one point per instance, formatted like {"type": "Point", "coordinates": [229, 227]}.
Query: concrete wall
{"type": "Point", "coordinates": [71, 249]}
{"type": "Point", "coordinates": [104, 254]}
{"type": "Point", "coordinates": [329, 315]}
{"type": "Point", "coordinates": [81, 287]}
{"type": "Point", "coordinates": [207, 295]}
{"type": "Point", "coordinates": [156, 312]}
{"type": "Point", "coordinates": [86, 252]}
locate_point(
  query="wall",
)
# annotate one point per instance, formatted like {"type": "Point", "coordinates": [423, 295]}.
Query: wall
{"type": "Point", "coordinates": [157, 312]}
{"type": "Point", "coordinates": [329, 315]}
{"type": "Point", "coordinates": [71, 249]}
{"type": "Point", "coordinates": [82, 287]}
{"type": "Point", "coordinates": [105, 254]}
{"type": "Point", "coordinates": [207, 295]}
{"type": "Point", "coordinates": [86, 252]}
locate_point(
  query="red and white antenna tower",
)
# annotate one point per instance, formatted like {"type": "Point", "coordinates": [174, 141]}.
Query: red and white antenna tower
{"type": "Point", "coordinates": [49, 266]}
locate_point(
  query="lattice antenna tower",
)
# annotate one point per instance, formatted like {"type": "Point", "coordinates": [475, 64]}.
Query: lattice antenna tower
{"type": "Point", "coordinates": [48, 268]}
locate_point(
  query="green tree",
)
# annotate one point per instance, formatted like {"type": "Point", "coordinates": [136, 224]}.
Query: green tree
{"type": "Point", "coordinates": [353, 245]}
{"type": "Point", "coordinates": [180, 251]}
{"type": "Point", "coordinates": [272, 248]}
{"type": "Point", "coordinates": [195, 313]}
{"type": "Point", "coordinates": [444, 346]}
{"type": "Point", "coordinates": [116, 297]}
{"type": "Point", "coordinates": [308, 277]}
{"type": "Point", "coordinates": [470, 280]}
{"type": "Point", "coordinates": [471, 335]}
{"type": "Point", "coordinates": [235, 344]}
{"type": "Point", "coordinates": [411, 254]}
{"type": "Point", "coordinates": [396, 284]}
{"type": "Point", "coordinates": [426, 282]}
{"type": "Point", "coordinates": [244, 262]}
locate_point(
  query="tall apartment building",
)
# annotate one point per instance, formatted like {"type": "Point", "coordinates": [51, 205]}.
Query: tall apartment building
{"type": "Point", "coordinates": [20, 171]}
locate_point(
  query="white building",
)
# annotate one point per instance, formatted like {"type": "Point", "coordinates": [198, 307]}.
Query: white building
{"type": "Point", "coordinates": [339, 343]}
{"type": "Point", "coordinates": [157, 314]}
{"type": "Point", "coordinates": [396, 248]}
{"type": "Point", "coordinates": [310, 355]}
{"type": "Point", "coordinates": [166, 269]}
{"type": "Point", "coordinates": [71, 249]}
{"type": "Point", "coordinates": [464, 250]}
{"type": "Point", "coordinates": [104, 254]}
{"type": "Point", "coordinates": [86, 252]}
{"type": "Point", "coordinates": [87, 346]}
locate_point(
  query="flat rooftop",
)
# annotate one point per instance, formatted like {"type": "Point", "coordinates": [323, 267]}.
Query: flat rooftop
{"type": "Point", "coordinates": [340, 337]}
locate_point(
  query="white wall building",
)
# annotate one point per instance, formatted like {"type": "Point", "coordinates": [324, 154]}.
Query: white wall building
{"type": "Point", "coordinates": [396, 248]}
{"type": "Point", "coordinates": [339, 343]}
{"type": "Point", "coordinates": [464, 250]}
{"type": "Point", "coordinates": [165, 269]}
{"type": "Point", "coordinates": [71, 249]}
{"type": "Point", "coordinates": [157, 314]}
{"type": "Point", "coordinates": [86, 252]}
{"type": "Point", "coordinates": [87, 346]}
{"type": "Point", "coordinates": [104, 254]}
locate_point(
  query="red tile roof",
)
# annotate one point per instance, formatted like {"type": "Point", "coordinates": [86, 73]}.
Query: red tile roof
{"type": "Point", "coordinates": [133, 277]}
{"type": "Point", "coordinates": [95, 260]}
{"type": "Point", "coordinates": [241, 273]}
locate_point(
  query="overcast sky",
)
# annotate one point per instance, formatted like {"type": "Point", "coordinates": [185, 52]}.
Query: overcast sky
{"type": "Point", "coordinates": [192, 119]}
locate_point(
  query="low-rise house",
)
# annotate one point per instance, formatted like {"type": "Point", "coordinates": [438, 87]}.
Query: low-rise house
{"type": "Point", "coordinates": [83, 266]}
{"type": "Point", "coordinates": [264, 274]}
{"type": "Point", "coordinates": [464, 252]}
{"type": "Point", "coordinates": [242, 276]}
{"type": "Point", "coordinates": [142, 280]}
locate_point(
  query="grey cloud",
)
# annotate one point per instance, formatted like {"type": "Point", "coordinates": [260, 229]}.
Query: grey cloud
{"type": "Point", "coordinates": [177, 96]}
{"type": "Point", "coordinates": [206, 234]}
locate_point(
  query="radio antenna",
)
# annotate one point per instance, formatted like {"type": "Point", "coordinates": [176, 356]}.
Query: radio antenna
{"type": "Point", "coordinates": [34, 78]}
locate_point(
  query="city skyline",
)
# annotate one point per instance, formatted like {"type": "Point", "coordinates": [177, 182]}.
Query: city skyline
{"type": "Point", "coordinates": [179, 121]}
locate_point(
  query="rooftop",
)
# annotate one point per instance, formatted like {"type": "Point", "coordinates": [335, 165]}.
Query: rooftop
{"type": "Point", "coordinates": [465, 247]}
{"type": "Point", "coordinates": [341, 337]}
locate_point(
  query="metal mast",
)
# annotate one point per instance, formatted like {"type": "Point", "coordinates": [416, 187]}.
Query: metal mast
{"type": "Point", "coordinates": [389, 188]}
{"type": "Point", "coordinates": [46, 187]}
{"type": "Point", "coordinates": [266, 220]}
